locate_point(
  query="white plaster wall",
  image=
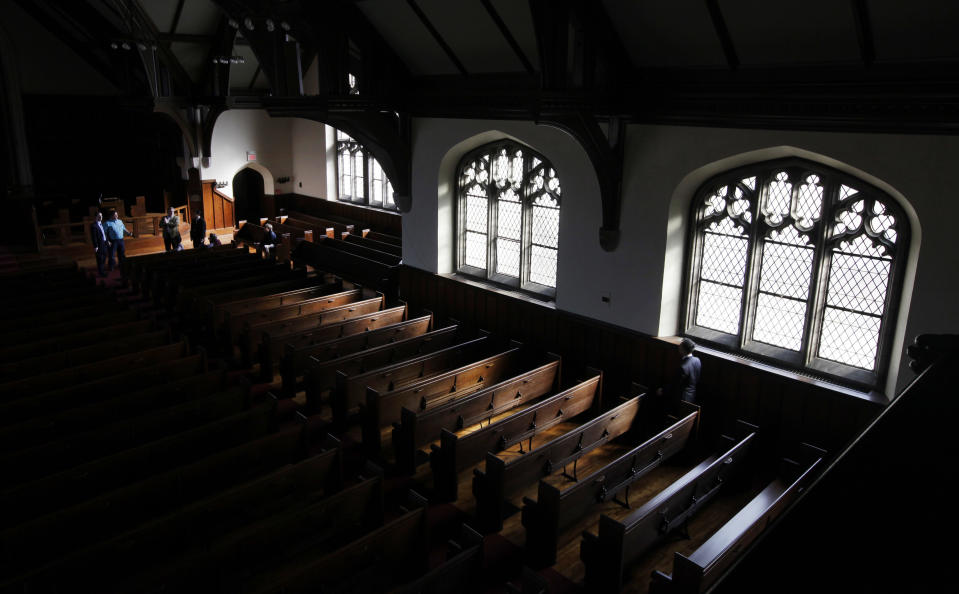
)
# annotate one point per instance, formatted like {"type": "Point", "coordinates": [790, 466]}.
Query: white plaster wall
{"type": "Point", "coordinates": [664, 167]}
{"type": "Point", "coordinates": [438, 145]}
{"type": "Point", "coordinates": [240, 130]}
{"type": "Point", "coordinates": [308, 152]}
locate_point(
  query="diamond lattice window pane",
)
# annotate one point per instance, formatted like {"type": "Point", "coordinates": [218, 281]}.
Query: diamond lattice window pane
{"type": "Point", "coordinates": [542, 266]}
{"type": "Point", "coordinates": [809, 201]}
{"type": "Point", "coordinates": [359, 183]}
{"type": "Point", "coordinates": [510, 220]}
{"type": "Point", "coordinates": [476, 249]}
{"type": "Point", "coordinates": [724, 259]}
{"type": "Point", "coordinates": [858, 283]}
{"type": "Point", "coordinates": [719, 307]}
{"type": "Point", "coordinates": [376, 175]}
{"type": "Point", "coordinates": [779, 321]}
{"type": "Point", "coordinates": [476, 214]}
{"type": "Point", "coordinates": [507, 257]}
{"type": "Point", "coordinates": [545, 226]}
{"type": "Point", "coordinates": [786, 270]}
{"type": "Point", "coordinates": [850, 338]}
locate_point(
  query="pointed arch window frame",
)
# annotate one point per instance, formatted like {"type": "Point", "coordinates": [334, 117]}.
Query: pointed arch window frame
{"type": "Point", "coordinates": [526, 199]}
{"type": "Point", "coordinates": [374, 179]}
{"type": "Point", "coordinates": [824, 241]}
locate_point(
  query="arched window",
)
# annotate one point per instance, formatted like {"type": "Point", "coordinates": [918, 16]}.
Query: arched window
{"type": "Point", "coordinates": [508, 201]}
{"type": "Point", "coordinates": [794, 262]}
{"type": "Point", "coordinates": [360, 178]}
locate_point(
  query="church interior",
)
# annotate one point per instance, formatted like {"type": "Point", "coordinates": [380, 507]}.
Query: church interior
{"type": "Point", "coordinates": [538, 296]}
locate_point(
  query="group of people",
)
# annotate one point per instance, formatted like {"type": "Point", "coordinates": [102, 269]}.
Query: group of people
{"type": "Point", "coordinates": [107, 237]}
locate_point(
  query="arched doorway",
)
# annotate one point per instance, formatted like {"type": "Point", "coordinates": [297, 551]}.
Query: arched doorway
{"type": "Point", "coordinates": [248, 194]}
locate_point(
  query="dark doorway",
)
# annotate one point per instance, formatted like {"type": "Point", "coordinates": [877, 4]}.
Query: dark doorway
{"type": "Point", "coordinates": [248, 194]}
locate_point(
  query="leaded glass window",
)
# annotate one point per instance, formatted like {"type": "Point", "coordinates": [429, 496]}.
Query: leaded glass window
{"type": "Point", "coordinates": [794, 262]}
{"type": "Point", "coordinates": [360, 177]}
{"type": "Point", "coordinates": [508, 204]}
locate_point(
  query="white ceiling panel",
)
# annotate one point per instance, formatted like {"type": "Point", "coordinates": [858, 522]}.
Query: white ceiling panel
{"type": "Point", "coordinates": [801, 32]}
{"type": "Point", "coordinates": [673, 34]}
{"type": "Point", "coordinates": [405, 33]}
{"type": "Point", "coordinates": [915, 30]}
{"type": "Point", "coordinates": [519, 21]}
{"type": "Point", "coordinates": [473, 36]}
{"type": "Point", "coordinates": [200, 17]}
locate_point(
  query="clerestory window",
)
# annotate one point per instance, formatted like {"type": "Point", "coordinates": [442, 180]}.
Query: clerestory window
{"type": "Point", "coordinates": [508, 205]}
{"type": "Point", "coordinates": [360, 177]}
{"type": "Point", "coordinates": [796, 263]}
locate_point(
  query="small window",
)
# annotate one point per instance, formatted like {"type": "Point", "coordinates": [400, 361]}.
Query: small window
{"type": "Point", "coordinates": [508, 203]}
{"type": "Point", "coordinates": [360, 177]}
{"type": "Point", "coordinates": [798, 264]}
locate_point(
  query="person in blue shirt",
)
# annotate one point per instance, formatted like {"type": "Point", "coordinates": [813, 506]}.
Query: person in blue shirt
{"type": "Point", "coordinates": [116, 230]}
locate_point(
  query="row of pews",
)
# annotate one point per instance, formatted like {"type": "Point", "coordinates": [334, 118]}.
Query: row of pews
{"type": "Point", "coordinates": [257, 426]}
{"type": "Point", "coordinates": [346, 248]}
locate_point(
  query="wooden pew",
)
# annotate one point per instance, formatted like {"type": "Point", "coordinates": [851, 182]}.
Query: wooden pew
{"type": "Point", "coordinates": [315, 230]}
{"type": "Point", "coordinates": [40, 305]}
{"type": "Point", "coordinates": [456, 453]}
{"type": "Point", "coordinates": [350, 389]}
{"type": "Point", "coordinates": [619, 543]}
{"type": "Point", "coordinates": [390, 555]}
{"type": "Point", "coordinates": [311, 315]}
{"type": "Point", "coordinates": [51, 493]}
{"type": "Point", "coordinates": [45, 323]}
{"type": "Point", "coordinates": [65, 359]}
{"type": "Point", "coordinates": [285, 539]}
{"type": "Point", "coordinates": [384, 238]}
{"type": "Point", "coordinates": [148, 274]}
{"type": "Point", "coordinates": [419, 427]}
{"type": "Point", "coordinates": [503, 477]}
{"type": "Point", "coordinates": [339, 227]}
{"type": "Point", "coordinates": [70, 327]}
{"type": "Point", "coordinates": [368, 272]}
{"type": "Point", "coordinates": [233, 323]}
{"type": "Point", "coordinates": [71, 340]}
{"type": "Point", "coordinates": [244, 482]}
{"type": "Point", "coordinates": [296, 233]}
{"type": "Point", "coordinates": [84, 373]}
{"type": "Point", "coordinates": [385, 258]}
{"type": "Point", "coordinates": [701, 570]}
{"type": "Point", "coordinates": [190, 299]}
{"type": "Point", "coordinates": [54, 456]}
{"type": "Point", "coordinates": [461, 572]}
{"type": "Point", "coordinates": [372, 244]}
{"type": "Point", "coordinates": [555, 510]}
{"type": "Point", "coordinates": [62, 423]}
{"type": "Point", "coordinates": [372, 326]}
{"type": "Point", "coordinates": [385, 327]}
{"type": "Point", "coordinates": [251, 235]}
{"type": "Point", "coordinates": [253, 270]}
{"type": "Point", "coordinates": [76, 395]}
{"type": "Point", "coordinates": [207, 308]}
{"type": "Point", "coordinates": [320, 376]}
{"type": "Point", "coordinates": [251, 305]}
{"type": "Point", "coordinates": [382, 409]}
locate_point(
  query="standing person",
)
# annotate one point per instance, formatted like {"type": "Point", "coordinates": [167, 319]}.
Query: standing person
{"type": "Point", "coordinates": [197, 230]}
{"type": "Point", "coordinates": [116, 230]}
{"type": "Point", "coordinates": [171, 230]}
{"type": "Point", "coordinates": [98, 236]}
{"type": "Point", "coordinates": [684, 386]}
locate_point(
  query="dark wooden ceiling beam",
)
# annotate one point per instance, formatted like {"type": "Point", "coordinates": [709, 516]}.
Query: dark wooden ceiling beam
{"type": "Point", "coordinates": [184, 38]}
{"type": "Point", "coordinates": [551, 26]}
{"type": "Point", "coordinates": [176, 17]}
{"type": "Point", "coordinates": [437, 37]}
{"type": "Point", "coordinates": [867, 46]}
{"type": "Point", "coordinates": [145, 27]}
{"type": "Point", "coordinates": [722, 32]}
{"type": "Point", "coordinates": [508, 35]}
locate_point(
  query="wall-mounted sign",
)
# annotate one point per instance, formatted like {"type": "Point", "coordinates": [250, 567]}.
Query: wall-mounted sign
{"type": "Point", "coordinates": [251, 155]}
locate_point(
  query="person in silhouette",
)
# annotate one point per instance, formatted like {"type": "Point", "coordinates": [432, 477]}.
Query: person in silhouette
{"type": "Point", "coordinates": [116, 231]}
{"type": "Point", "coordinates": [98, 235]}
{"type": "Point", "coordinates": [197, 230]}
{"type": "Point", "coordinates": [171, 230]}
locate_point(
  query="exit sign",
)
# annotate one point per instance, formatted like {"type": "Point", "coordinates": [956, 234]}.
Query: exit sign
{"type": "Point", "coordinates": [251, 155]}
